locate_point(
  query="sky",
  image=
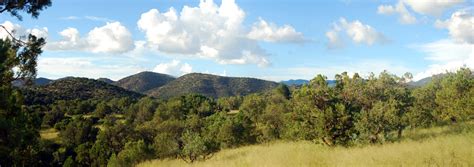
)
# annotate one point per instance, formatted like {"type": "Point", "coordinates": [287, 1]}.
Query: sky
{"type": "Point", "coordinates": [268, 39]}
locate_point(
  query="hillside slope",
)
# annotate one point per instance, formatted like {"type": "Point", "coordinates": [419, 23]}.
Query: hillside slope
{"type": "Point", "coordinates": [144, 81]}
{"type": "Point", "coordinates": [439, 146]}
{"type": "Point", "coordinates": [212, 86]}
{"type": "Point", "coordinates": [71, 88]}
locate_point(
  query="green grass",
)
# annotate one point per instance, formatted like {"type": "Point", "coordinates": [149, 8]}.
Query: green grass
{"type": "Point", "coordinates": [439, 146]}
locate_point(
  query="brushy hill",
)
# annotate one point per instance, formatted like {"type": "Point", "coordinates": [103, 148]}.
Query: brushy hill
{"type": "Point", "coordinates": [439, 146]}
{"type": "Point", "coordinates": [212, 86]}
{"type": "Point", "coordinates": [72, 88]}
{"type": "Point", "coordinates": [144, 81]}
{"type": "Point", "coordinates": [106, 80]}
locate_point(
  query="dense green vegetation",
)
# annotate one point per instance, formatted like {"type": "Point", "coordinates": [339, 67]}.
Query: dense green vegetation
{"type": "Point", "coordinates": [211, 86]}
{"type": "Point", "coordinates": [144, 81]}
{"type": "Point", "coordinates": [72, 88]}
{"type": "Point", "coordinates": [355, 112]}
{"type": "Point", "coordinates": [19, 137]}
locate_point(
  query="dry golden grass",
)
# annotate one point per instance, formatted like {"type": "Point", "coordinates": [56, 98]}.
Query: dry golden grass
{"type": "Point", "coordinates": [440, 146]}
{"type": "Point", "coordinates": [49, 134]}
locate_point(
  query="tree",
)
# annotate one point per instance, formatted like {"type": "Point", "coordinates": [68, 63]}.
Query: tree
{"type": "Point", "coordinates": [196, 147]}
{"type": "Point", "coordinates": [32, 7]}
{"type": "Point", "coordinates": [335, 125]}
{"type": "Point", "coordinates": [455, 98]}
{"type": "Point", "coordinates": [102, 109]}
{"type": "Point", "coordinates": [133, 153]}
{"type": "Point", "coordinates": [78, 132]}
{"type": "Point", "coordinates": [18, 132]}
{"type": "Point", "coordinates": [283, 90]}
{"type": "Point", "coordinates": [165, 145]}
{"type": "Point", "coordinates": [375, 124]}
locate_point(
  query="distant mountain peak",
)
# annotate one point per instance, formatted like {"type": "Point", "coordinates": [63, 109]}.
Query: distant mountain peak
{"type": "Point", "coordinates": [71, 88]}
{"type": "Point", "coordinates": [144, 81]}
{"type": "Point", "coordinates": [212, 86]}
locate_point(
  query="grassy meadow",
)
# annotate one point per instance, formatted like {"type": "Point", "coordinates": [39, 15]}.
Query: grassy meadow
{"type": "Point", "coordinates": [439, 146]}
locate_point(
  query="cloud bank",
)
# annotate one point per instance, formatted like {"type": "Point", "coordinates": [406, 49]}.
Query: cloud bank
{"type": "Point", "coordinates": [213, 32]}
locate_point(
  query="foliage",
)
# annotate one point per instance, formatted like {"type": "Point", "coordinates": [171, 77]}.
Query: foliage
{"type": "Point", "coordinates": [196, 147]}
{"type": "Point", "coordinates": [211, 86]}
{"type": "Point", "coordinates": [18, 124]}
{"type": "Point", "coordinates": [31, 7]}
{"type": "Point", "coordinates": [132, 153]}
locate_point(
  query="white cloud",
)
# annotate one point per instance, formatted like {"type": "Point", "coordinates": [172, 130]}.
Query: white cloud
{"type": "Point", "coordinates": [405, 16]}
{"type": "Point", "coordinates": [460, 26]}
{"type": "Point", "coordinates": [446, 55]}
{"type": "Point", "coordinates": [19, 32]}
{"type": "Point", "coordinates": [95, 18]}
{"type": "Point", "coordinates": [272, 33]}
{"type": "Point", "coordinates": [92, 18]}
{"type": "Point", "coordinates": [209, 31]}
{"type": "Point", "coordinates": [223, 73]}
{"type": "Point", "coordinates": [431, 7]}
{"type": "Point", "coordinates": [110, 38]}
{"type": "Point", "coordinates": [356, 31]}
{"type": "Point", "coordinates": [335, 40]}
{"type": "Point", "coordinates": [174, 67]}
{"type": "Point", "coordinates": [423, 7]}
{"type": "Point", "coordinates": [70, 18]}
{"type": "Point", "coordinates": [58, 67]}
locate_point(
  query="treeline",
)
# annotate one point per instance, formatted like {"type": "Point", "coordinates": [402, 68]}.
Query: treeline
{"type": "Point", "coordinates": [355, 111]}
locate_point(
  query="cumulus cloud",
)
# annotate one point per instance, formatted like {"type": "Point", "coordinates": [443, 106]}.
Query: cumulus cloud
{"type": "Point", "coordinates": [211, 31]}
{"type": "Point", "coordinates": [110, 38]}
{"type": "Point", "coordinates": [174, 67]}
{"type": "Point", "coordinates": [356, 31]}
{"type": "Point", "coordinates": [334, 39]}
{"type": "Point", "coordinates": [446, 55]}
{"type": "Point", "coordinates": [19, 32]}
{"type": "Point", "coordinates": [272, 33]}
{"type": "Point", "coordinates": [422, 7]}
{"type": "Point", "coordinates": [405, 16]}
{"type": "Point", "coordinates": [58, 67]}
{"type": "Point", "coordinates": [431, 7]}
{"type": "Point", "coordinates": [460, 26]}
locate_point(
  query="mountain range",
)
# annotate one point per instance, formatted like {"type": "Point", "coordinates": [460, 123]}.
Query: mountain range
{"type": "Point", "coordinates": [45, 91]}
{"type": "Point", "coordinates": [144, 81]}
{"type": "Point", "coordinates": [71, 88]}
{"type": "Point", "coordinates": [155, 85]}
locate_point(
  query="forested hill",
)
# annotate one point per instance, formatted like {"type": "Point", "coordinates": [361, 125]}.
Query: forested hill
{"type": "Point", "coordinates": [144, 81]}
{"type": "Point", "coordinates": [71, 88]}
{"type": "Point", "coordinates": [212, 86]}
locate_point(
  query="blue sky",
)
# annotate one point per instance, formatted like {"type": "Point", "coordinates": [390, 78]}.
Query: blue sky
{"type": "Point", "coordinates": [273, 40]}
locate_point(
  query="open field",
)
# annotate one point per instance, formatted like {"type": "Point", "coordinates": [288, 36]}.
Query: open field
{"type": "Point", "coordinates": [438, 146]}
